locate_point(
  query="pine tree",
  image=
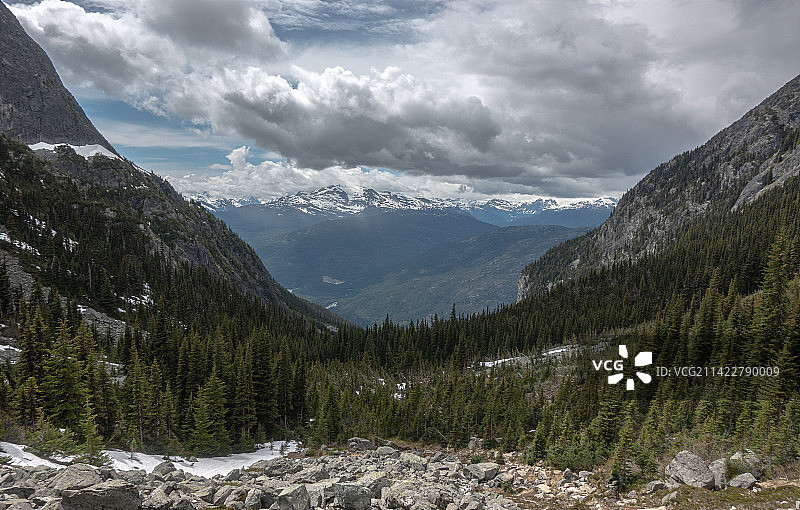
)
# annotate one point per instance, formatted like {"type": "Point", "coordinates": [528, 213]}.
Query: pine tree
{"type": "Point", "coordinates": [64, 387]}
{"type": "Point", "coordinates": [210, 435]}
{"type": "Point", "coordinates": [28, 403]}
{"type": "Point", "coordinates": [627, 449]}
{"type": "Point", "coordinates": [93, 442]}
{"type": "Point", "coordinates": [243, 413]}
{"type": "Point", "coordinates": [282, 376]}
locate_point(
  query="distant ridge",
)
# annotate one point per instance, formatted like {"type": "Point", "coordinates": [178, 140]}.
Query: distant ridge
{"type": "Point", "coordinates": [34, 104]}
{"type": "Point", "coordinates": [338, 202]}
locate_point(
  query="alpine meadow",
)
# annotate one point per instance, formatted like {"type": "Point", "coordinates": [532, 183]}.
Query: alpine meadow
{"type": "Point", "coordinates": [422, 298]}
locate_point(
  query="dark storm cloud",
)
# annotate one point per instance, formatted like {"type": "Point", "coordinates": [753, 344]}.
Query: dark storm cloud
{"type": "Point", "coordinates": [548, 97]}
{"type": "Point", "coordinates": [234, 26]}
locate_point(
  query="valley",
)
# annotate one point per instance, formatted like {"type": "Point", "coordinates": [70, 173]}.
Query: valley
{"type": "Point", "coordinates": [355, 348]}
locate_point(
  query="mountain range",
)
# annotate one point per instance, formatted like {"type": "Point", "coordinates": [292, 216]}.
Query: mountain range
{"type": "Point", "coordinates": [698, 266]}
{"type": "Point", "coordinates": [337, 201]}
{"type": "Point", "coordinates": [367, 254]}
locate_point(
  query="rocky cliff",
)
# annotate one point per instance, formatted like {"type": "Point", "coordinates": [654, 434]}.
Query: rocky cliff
{"type": "Point", "coordinates": [755, 153]}
{"type": "Point", "coordinates": [34, 105]}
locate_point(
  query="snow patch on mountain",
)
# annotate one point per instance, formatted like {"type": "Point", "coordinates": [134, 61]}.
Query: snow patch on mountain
{"type": "Point", "coordinates": [338, 201]}
{"type": "Point", "coordinates": [81, 150]}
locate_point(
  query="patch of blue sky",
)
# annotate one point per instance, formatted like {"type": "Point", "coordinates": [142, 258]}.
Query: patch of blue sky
{"type": "Point", "coordinates": [166, 146]}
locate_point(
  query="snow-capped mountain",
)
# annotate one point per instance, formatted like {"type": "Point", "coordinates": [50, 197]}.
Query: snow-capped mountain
{"type": "Point", "coordinates": [337, 201]}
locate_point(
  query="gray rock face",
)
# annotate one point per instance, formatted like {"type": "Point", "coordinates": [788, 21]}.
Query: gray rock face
{"type": "Point", "coordinates": [77, 476]}
{"type": "Point", "coordinates": [34, 105]}
{"type": "Point", "coordinates": [653, 213]}
{"type": "Point", "coordinates": [745, 481]}
{"type": "Point", "coordinates": [375, 481]}
{"type": "Point", "coordinates": [689, 469]}
{"type": "Point", "coordinates": [351, 496]}
{"type": "Point", "coordinates": [164, 468]}
{"type": "Point", "coordinates": [483, 471]}
{"type": "Point", "coordinates": [158, 500]}
{"type": "Point", "coordinates": [719, 468]}
{"type": "Point", "coordinates": [408, 494]}
{"type": "Point", "coordinates": [310, 475]}
{"type": "Point", "coordinates": [360, 444]}
{"type": "Point", "coordinates": [108, 495]}
{"type": "Point", "coordinates": [277, 467]}
{"type": "Point", "coordinates": [294, 498]}
{"type": "Point", "coordinates": [253, 499]}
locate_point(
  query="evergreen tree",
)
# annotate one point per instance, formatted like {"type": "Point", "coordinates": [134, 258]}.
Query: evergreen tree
{"type": "Point", "coordinates": [64, 387]}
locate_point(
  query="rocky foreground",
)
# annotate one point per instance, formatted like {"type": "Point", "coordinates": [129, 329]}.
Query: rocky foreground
{"type": "Point", "coordinates": [364, 477]}
{"type": "Point", "coordinates": [382, 478]}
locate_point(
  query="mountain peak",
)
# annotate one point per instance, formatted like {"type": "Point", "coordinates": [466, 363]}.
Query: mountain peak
{"type": "Point", "coordinates": [34, 104]}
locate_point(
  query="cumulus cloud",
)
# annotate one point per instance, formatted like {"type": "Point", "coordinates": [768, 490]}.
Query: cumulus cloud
{"type": "Point", "coordinates": [556, 98]}
{"type": "Point", "coordinates": [274, 178]}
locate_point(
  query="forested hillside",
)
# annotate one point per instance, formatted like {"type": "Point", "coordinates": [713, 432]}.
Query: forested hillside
{"type": "Point", "coordinates": [215, 357]}
{"type": "Point", "coordinates": [217, 371]}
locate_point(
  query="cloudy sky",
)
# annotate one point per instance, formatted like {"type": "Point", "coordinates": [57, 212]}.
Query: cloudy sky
{"type": "Point", "coordinates": [455, 98]}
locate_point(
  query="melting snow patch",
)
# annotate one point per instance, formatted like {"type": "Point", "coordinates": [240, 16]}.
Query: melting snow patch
{"type": "Point", "coordinates": [81, 150]}
{"type": "Point", "coordinates": [19, 244]}
{"type": "Point", "coordinates": [19, 457]}
{"type": "Point", "coordinates": [500, 362]}
{"type": "Point", "coordinates": [121, 461]}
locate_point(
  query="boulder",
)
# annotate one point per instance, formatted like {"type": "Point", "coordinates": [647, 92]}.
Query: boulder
{"type": "Point", "coordinates": [74, 477]}
{"type": "Point", "coordinates": [164, 468]}
{"type": "Point", "coordinates": [407, 494]}
{"type": "Point", "coordinates": [18, 491]}
{"type": "Point", "coordinates": [375, 481]}
{"type": "Point", "coordinates": [745, 481]}
{"type": "Point", "coordinates": [310, 475]}
{"type": "Point", "coordinates": [233, 475]}
{"type": "Point", "coordinates": [222, 494]}
{"type": "Point", "coordinates": [719, 468]}
{"type": "Point", "coordinates": [321, 494]}
{"type": "Point", "coordinates": [270, 490]}
{"type": "Point", "coordinates": [184, 503]}
{"type": "Point", "coordinates": [689, 469]}
{"type": "Point", "coordinates": [277, 467]}
{"type": "Point", "coordinates": [386, 451]}
{"type": "Point", "coordinates": [16, 504]}
{"type": "Point", "coordinates": [108, 495]}
{"type": "Point", "coordinates": [157, 500]}
{"type": "Point", "coordinates": [584, 475]}
{"type": "Point", "coordinates": [294, 497]}
{"type": "Point", "coordinates": [655, 485]}
{"type": "Point", "coordinates": [475, 443]}
{"type": "Point", "coordinates": [413, 461]}
{"type": "Point", "coordinates": [472, 501]}
{"type": "Point", "coordinates": [359, 444]}
{"type": "Point", "coordinates": [351, 496]}
{"type": "Point", "coordinates": [670, 498]}
{"type": "Point", "coordinates": [748, 461]}
{"type": "Point", "coordinates": [253, 499]}
{"type": "Point", "coordinates": [135, 476]}
{"type": "Point", "coordinates": [482, 471]}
